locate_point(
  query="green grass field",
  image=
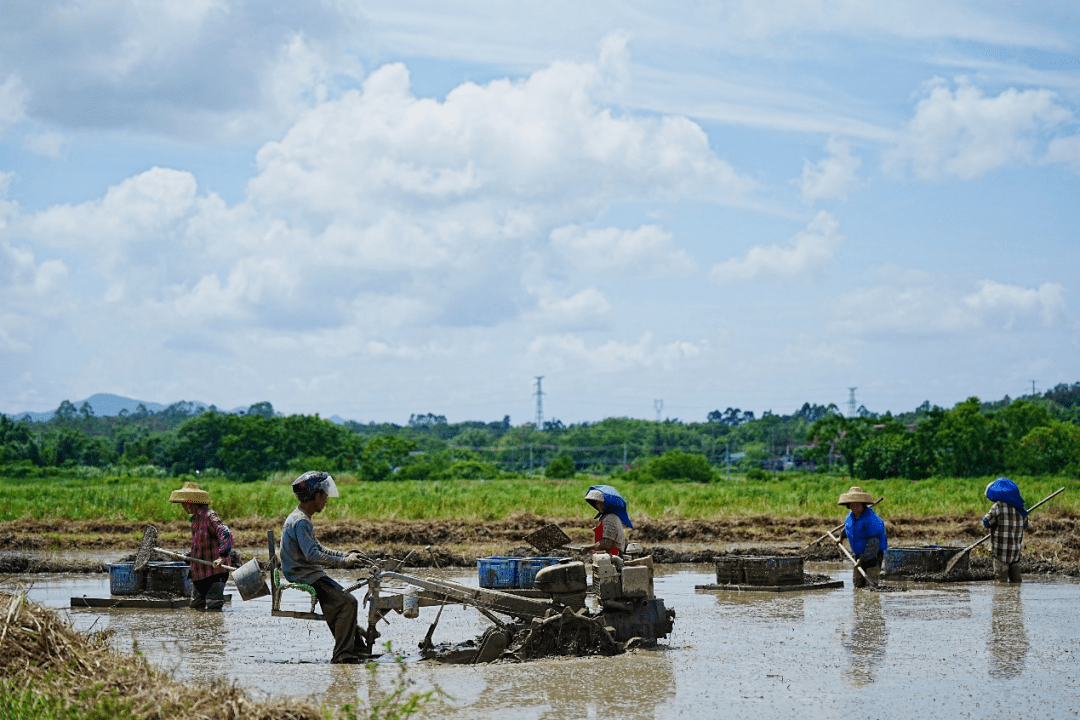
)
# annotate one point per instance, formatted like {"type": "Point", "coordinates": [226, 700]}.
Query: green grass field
{"type": "Point", "coordinates": [145, 499]}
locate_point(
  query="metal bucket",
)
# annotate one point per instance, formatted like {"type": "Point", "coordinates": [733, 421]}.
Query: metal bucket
{"type": "Point", "coordinates": [250, 580]}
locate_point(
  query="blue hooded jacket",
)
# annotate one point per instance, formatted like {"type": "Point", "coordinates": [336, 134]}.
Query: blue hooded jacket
{"type": "Point", "coordinates": [614, 504]}
{"type": "Point", "coordinates": [1005, 490]}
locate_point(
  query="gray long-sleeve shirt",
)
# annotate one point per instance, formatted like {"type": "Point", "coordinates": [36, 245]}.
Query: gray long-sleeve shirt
{"type": "Point", "coordinates": [301, 553]}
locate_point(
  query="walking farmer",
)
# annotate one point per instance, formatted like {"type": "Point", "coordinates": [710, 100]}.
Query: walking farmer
{"type": "Point", "coordinates": [210, 541]}
{"type": "Point", "coordinates": [865, 533]}
{"type": "Point", "coordinates": [1007, 521]}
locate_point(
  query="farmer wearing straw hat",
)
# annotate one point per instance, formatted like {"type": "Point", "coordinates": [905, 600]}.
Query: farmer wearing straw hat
{"type": "Point", "coordinates": [302, 556]}
{"type": "Point", "coordinates": [210, 541]}
{"type": "Point", "coordinates": [1007, 521]}
{"type": "Point", "coordinates": [865, 533]}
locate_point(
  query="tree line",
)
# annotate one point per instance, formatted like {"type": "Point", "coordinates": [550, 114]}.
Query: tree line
{"type": "Point", "coordinates": [1036, 434]}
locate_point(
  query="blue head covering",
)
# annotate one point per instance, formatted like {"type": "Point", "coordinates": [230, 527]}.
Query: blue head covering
{"type": "Point", "coordinates": [614, 504]}
{"type": "Point", "coordinates": [1004, 490]}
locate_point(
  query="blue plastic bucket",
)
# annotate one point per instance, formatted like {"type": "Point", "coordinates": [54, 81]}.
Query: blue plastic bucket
{"type": "Point", "coordinates": [123, 580]}
{"type": "Point", "coordinates": [528, 567]}
{"type": "Point", "coordinates": [497, 572]}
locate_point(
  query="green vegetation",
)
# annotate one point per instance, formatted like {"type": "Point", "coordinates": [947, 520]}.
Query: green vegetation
{"type": "Point", "coordinates": [1035, 435]}
{"type": "Point", "coordinates": [139, 499]}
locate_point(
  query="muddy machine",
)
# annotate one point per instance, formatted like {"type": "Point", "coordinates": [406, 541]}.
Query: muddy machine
{"type": "Point", "coordinates": [563, 613]}
{"type": "Point", "coordinates": [601, 607]}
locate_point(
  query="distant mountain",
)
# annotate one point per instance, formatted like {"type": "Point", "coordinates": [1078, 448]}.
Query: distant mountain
{"type": "Point", "coordinates": [106, 405]}
{"type": "Point", "coordinates": [103, 404]}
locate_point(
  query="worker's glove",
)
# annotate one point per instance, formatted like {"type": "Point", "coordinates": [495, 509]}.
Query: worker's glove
{"type": "Point", "coordinates": [353, 559]}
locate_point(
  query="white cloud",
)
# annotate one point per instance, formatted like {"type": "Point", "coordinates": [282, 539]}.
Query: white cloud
{"type": "Point", "coordinates": [830, 177]}
{"type": "Point", "coordinates": [1065, 150]}
{"type": "Point", "coordinates": [189, 68]}
{"type": "Point", "coordinates": [584, 308]}
{"type": "Point", "coordinates": [646, 250]}
{"type": "Point", "coordinates": [965, 134]}
{"type": "Point", "coordinates": [800, 258]}
{"type": "Point", "coordinates": [12, 102]}
{"type": "Point", "coordinates": [48, 144]}
{"type": "Point", "coordinates": [613, 355]}
{"type": "Point", "coordinates": [1007, 305]}
{"type": "Point", "coordinates": [923, 305]}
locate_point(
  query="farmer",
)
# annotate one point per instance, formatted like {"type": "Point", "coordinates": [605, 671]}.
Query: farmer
{"type": "Point", "coordinates": [302, 554]}
{"type": "Point", "coordinates": [609, 535]}
{"type": "Point", "coordinates": [1007, 521]}
{"type": "Point", "coordinates": [210, 541]}
{"type": "Point", "coordinates": [865, 533]}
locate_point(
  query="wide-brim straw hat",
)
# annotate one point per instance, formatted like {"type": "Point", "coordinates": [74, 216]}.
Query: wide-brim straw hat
{"type": "Point", "coordinates": [190, 493]}
{"type": "Point", "coordinates": [855, 494]}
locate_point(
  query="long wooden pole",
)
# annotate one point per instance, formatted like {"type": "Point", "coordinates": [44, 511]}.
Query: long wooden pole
{"type": "Point", "coordinates": [956, 558]}
{"type": "Point", "coordinates": [840, 544]}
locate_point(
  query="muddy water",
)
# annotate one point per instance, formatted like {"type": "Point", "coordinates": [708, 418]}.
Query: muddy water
{"type": "Point", "coordinates": [961, 650]}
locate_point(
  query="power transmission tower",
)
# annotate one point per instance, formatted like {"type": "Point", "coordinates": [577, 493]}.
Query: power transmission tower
{"type": "Point", "coordinates": [851, 403]}
{"type": "Point", "coordinates": [659, 405]}
{"type": "Point", "coordinates": [539, 403]}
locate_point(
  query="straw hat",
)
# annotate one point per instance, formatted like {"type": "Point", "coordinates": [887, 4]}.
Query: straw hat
{"type": "Point", "coordinates": [190, 493]}
{"type": "Point", "coordinates": [855, 494]}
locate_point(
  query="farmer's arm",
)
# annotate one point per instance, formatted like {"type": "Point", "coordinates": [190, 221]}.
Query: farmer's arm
{"type": "Point", "coordinates": [314, 551]}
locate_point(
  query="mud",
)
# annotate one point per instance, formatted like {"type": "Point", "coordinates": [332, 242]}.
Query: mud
{"type": "Point", "coordinates": [1052, 543]}
{"type": "Point", "coordinates": [973, 649]}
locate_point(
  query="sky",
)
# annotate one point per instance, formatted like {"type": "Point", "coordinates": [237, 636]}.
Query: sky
{"type": "Point", "coordinates": [375, 209]}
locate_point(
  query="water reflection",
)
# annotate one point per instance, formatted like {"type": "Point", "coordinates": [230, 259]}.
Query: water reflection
{"type": "Point", "coordinates": [764, 605]}
{"type": "Point", "coordinates": [865, 637]}
{"type": "Point", "coordinates": [1007, 643]}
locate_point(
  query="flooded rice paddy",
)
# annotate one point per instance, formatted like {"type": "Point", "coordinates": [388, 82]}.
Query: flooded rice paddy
{"type": "Point", "coordinates": [936, 650]}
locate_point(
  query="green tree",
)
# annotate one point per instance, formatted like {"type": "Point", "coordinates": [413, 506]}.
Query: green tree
{"type": "Point", "coordinates": [561, 467]}
{"type": "Point", "coordinates": [1051, 449]}
{"type": "Point", "coordinates": [969, 442]}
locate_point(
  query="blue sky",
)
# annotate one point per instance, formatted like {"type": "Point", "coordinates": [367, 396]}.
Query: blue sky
{"type": "Point", "coordinates": [384, 208]}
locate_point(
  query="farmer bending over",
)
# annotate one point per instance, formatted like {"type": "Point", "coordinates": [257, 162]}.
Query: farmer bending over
{"type": "Point", "coordinates": [865, 533]}
{"type": "Point", "coordinates": [1007, 520]}
{"type": "Point", "coordinates": [302, 554]}
{"type": "Point", "coordinates": [609, 535]}
{"type": "Point", "coordinates": [210, 541]}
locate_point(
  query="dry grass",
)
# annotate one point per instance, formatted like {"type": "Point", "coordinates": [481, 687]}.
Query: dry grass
{"type": "Point", "coordinates": [50, 670]}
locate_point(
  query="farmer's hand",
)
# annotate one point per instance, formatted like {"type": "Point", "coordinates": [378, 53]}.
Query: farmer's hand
{"type": "Point", "coordinates": [353, 558]}
{"type": "Point", "coordinates": [217, 562]}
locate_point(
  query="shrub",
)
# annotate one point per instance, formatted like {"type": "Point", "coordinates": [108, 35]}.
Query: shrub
{"type": "Point", "coordinates": [561, 467]}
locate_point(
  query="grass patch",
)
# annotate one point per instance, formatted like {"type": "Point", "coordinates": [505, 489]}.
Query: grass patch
{"type": "Point", "coordinates": [146, 499]}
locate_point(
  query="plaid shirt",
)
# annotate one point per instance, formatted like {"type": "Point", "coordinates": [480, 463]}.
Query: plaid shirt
{"type": "Point", "coordinates": [210, 540]}
{"type": "Point", "coordinates": [1006, 531]}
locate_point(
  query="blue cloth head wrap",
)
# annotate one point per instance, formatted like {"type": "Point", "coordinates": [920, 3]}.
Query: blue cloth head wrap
{"type": "Point", "coordinates": [614, 504]}
{"type": "Point", "coordinates": [1005, 490]}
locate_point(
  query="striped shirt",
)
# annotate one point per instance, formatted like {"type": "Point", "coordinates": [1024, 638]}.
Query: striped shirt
{"type": "Point", "coordinates": [301, 552]}
{"type": "Point", "coordinates": [210, 540]}
{"type": "Point", "coordinates": [1006, 532]}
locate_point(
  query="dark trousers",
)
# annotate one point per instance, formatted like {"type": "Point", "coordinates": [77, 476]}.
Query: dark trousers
{"type": "Point", "coordinates": [209, 592]}
{"type": "Point", "coordinates": [339, 609]}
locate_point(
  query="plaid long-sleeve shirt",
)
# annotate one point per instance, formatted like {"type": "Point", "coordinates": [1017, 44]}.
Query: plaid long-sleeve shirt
{"type": "Point", "coordinates": [1006, 531]}
{"type": "Point", "coordinates": [210, 540]}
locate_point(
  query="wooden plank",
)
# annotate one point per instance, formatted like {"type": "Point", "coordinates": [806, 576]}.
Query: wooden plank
{"type": "Point", "coordinates": [129, 603]}
{"type": "Point", "coordinates": [773, 588]}
{"type": "Point", "coordinates": [146, 603]}
{"type": "Point", "coordinates": [297, 615]}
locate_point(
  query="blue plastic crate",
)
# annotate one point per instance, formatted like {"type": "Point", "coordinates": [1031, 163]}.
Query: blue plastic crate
{"type": "Point", "coordinates": [169, 577]}
{"type": "Point", "coordinates": [123, 580]}
{"type": "Point", "coordinates": [528, 567]}
{"type": "Point", "coordinates": [497, 573]}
